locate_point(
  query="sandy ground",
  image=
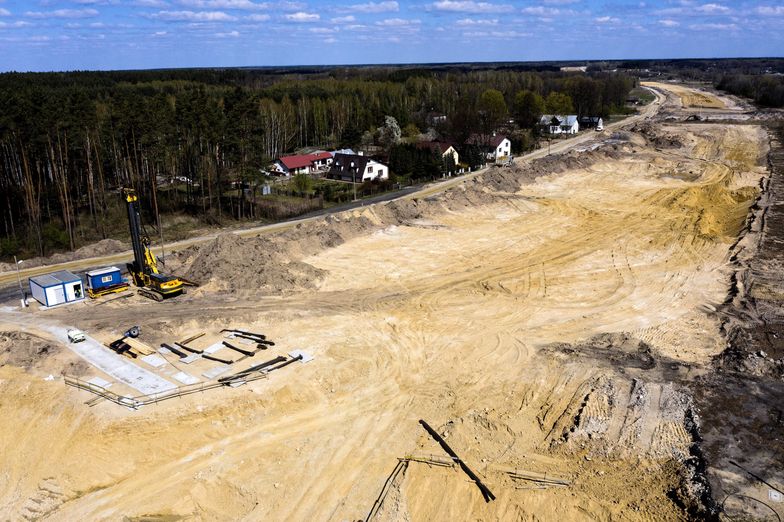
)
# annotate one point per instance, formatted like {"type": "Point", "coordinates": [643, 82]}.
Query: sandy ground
{"type": "Point", "coordinates": [692, 98]}
{"type": "Point", "coordinates": [538, 331]}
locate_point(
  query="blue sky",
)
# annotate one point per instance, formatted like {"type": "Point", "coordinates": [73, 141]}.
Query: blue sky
{"type": "Point", "coordinates": [43, 35]}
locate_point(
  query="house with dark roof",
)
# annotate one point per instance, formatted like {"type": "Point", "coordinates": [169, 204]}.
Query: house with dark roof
{"type": "Point", "coordinates": [559, 124]}
{"type": "Point", "coordinates": [442, 148]}
{"type": "Point", "coordinates": [357, 168]}
{"type": "Point", "coordinates": [303, 163]}
{"type": "Point", "coordinates": [591, 122]}
{"type": "Point", "coordinates": [496, 147]}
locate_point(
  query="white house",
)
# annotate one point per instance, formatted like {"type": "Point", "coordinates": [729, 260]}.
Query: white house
{"type": "Point", "coordinates": [357, 168]}
{"type": "Point", "coordinates": [559, 124]}
{"type": "Point", "coordinates": [442, 148]}
{"type": "Point", "coordinates": [496, 146]}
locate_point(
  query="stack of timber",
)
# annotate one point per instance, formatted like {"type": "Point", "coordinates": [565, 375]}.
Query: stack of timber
{"type": "Point", "coordinates": [130, 347]}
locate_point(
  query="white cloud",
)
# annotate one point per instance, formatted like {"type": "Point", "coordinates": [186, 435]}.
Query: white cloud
{"type": "Point", "coordinates": [14, 25]}
{"type": "Point", "coordinates": [546, 11]}
{"type": "Point", "coordinates": [669, 23]}
{"type": "Point", "coordinates": [4, 12]}
{"type": "Point", "coordinates": [321, 30]}
{"type": "Point", "coordinates": [376, 7]}
{"type": "Point", "coordinates": [231, 34]}
{"type": "Point", "coordinates": [258, 17]}
{"type": "Point", "coordinates": [398, 22]}
{"type": "Point", "coordinates": [771, 10]}
{"type": "Point", "coordinates": [559, 2]}
{"type": "Point", "coordinates": [291, 6]}
{"type": "Point", "coordinates": [302, 16]}
{"type": "Point", "coordinates": [63, 13]}
{"type": "Point", "coordinates": [713, 27]}
{"type": "Point", "coordinates": [471, 22]}
{"type": "Point", "coordinates": [224, 4]}
{"type": "Point", "coordinates": [469, 6]}
{"type": "Point", "coordinates": [343, 20]}
{"type": "Point", "coordinates": [193, 16]}
{"type": "Point", "coordinates": [712, 9]}
{"type": "Point", "coordinates": [503, 35]}
{"type": "Point", "coordinates": [150, 3]}
{"type": "Point", "coordinates": [606, 20]}
{"type": "Point", "coordinates": [160, 33]}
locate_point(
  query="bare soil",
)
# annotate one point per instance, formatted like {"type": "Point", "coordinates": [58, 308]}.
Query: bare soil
{"type": "Point", "coordinates": [562, 317]}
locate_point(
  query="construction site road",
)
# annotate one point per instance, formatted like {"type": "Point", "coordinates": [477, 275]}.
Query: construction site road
{"type": "Point", "coordinates": [81, 265]}
{"type": "Point", "coordinates": [557, 323]}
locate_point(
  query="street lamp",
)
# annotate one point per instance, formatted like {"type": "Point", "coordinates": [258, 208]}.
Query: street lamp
{"type": "Point", "coordinates": [18, 278]}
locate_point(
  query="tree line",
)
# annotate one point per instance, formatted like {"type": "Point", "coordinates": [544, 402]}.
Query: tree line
{"type": "Point", "coordinates": [765, 90]}
{"type": "Point", "coordinates": [68, 141]}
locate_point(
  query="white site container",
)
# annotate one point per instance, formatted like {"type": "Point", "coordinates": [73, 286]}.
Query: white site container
{"type": "Point", "coordinates": [57, 288]}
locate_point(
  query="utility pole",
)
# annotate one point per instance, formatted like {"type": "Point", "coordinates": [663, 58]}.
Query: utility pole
{"type": "Point", "coordinates": [19, 279]}
{"type": "Point", "coordinates": [354, 178]}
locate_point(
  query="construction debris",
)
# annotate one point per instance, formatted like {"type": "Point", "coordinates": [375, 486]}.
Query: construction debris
{"type": "Point", "coordinates": [216, 359]}
{"type": "Point", "coordinates": [486, 493]}
{"type": "Point", "coordinates": [188, 348]}
{"type": "Point", "coordinates": [533, 476]}
{"type": "Point", "coordinates": [139, 346]}
{"type": "Point", "coordinates": [242, 332]}
{"type": "Point", "coordinates": [244, 373]}
{"type": "Point", "coordinates": [191, 339]}
{"type": "Point", "coordinates": [174, 350]}
{"type": "Point", "coordinates": [238, 349]}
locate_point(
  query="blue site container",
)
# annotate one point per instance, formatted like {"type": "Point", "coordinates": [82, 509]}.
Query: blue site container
{"type": "Point", "coordinates": [104, 278]}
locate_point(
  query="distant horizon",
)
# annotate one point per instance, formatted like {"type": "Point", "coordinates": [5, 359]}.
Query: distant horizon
{"type": "Point", "coordinates": [105, 35]}
{"type": "Point", "coordinates": [563, 63]}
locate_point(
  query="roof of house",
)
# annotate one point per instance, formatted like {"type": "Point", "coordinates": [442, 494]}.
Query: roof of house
{"type": "Point", "coordinates": [590, 119]}
{"type": "Point", "coordinates": [55, 278]}
{"type": "Point", "coordinates": [491, 141]}
{"type": "Point", "coordinates": [303, 160]}
{"type": "Point", "coordinates": [343, 151]}
{"type": "Point", "coordinates": [346, 165]}
{"type": "Point", "coordinates": [438, 146]}
{"type": "Point", "coordinates": [569, 120]}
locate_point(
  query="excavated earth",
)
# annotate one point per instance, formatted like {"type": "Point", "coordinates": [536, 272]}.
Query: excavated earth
{"type": "Point", "coordinates": [593, 318]}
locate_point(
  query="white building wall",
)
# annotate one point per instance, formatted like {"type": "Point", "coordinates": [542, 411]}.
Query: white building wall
{"type": "Point", "coordinates": [55, 295]}
{"type": "Point", "coordinates": [38, 293]}
{"type": "Point", "coordinates": [375, 170]}
{"type": "Point", "coordinates": [71, 293]}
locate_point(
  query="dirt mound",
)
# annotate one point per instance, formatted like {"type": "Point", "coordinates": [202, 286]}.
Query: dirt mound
{"type": "Point", "coordinates": [101, 248]}
{"type": "Point", "coordinates": [33, 353]}
{"type": "Point", "coordinates": [656, 136]}
{"type": "Point", "coordinates": [250, 264]}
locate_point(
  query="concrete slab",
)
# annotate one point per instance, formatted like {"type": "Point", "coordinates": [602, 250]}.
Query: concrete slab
{"type": "Point", "coordinates": [214, 372]}
{"type": "Point", "coordinates": [154, 360]}
{"type": "Point", "coordinates": [213, 348]}
{"type": "Point", "coordinates": [189, 359]}
{"type": "Point", "coordinates": [185, 378]}
{"type": "Point", "coordinates": [306, 357]}
{"type": "Point", "coordinates": [98, 381]}
{"type": "Point", "coordinates": [121, 368]}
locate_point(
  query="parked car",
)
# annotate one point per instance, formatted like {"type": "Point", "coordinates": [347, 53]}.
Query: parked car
{"type": "Point", "coordinates": [76, 336]}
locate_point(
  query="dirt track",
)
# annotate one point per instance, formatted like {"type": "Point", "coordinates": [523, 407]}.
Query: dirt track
{"type": "Point", "coordinates": [541, 319]}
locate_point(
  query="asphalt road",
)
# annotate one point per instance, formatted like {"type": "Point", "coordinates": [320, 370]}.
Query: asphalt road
{"type": "Point", "coordinates": [8, 280]}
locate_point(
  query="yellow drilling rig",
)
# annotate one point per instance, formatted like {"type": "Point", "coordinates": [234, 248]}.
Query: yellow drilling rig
{"type": "Point", "coordinates": [144, 268]}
